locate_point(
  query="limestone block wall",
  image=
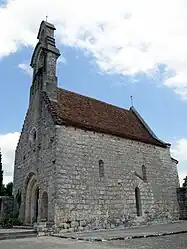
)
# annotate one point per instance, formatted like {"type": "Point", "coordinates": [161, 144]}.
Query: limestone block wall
{"type": "Point", "coordinates": [38, 158]}
{"type": "Point", "coordinates": [84, 199]}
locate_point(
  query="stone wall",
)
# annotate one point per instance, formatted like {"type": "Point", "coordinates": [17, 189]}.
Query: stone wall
{"type": "Point", "coordinates": [37, 158]}
{"type": "Point", "coordinates": [86, 200]}
{"type": "Point", "coordinates": [65, 161]}
{"type": "Point", "coordinates": [35, 153]}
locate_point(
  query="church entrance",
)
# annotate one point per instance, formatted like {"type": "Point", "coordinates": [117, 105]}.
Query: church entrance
{"type": "Point", "coordinates": [32, 200]}
{"type": "Point", "coordinates": [36, 206]}
{"type": "Point", "coordinates": [44, 207]}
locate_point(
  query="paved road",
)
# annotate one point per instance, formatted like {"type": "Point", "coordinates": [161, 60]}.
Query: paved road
{"type": "Point", "coordinates": [166, 242]}
{"type": "Point", "coordinates": [130, 232]}
{"type": "Point", "coordinates": [12, 230]}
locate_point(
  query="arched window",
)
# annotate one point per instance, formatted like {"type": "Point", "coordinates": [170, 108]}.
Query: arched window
{"type": "Point", "coordinates": [32, 136]}
{"type": "Point", "coordinates": [101, 168]}
{"type": "Point", "coordinates": [144, 173]}
{"type": "Point", "coordinates": [138, 202]}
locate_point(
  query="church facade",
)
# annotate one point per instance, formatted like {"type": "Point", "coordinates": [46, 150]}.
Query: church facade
{"type": "Point", "coordinates": [81, 163]}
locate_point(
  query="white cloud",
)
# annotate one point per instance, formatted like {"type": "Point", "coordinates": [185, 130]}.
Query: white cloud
{"type": "Point", "coordinates": [182, 176]}
{"type": "Point", "coordinates": [125, 37]}
{"type": "Point", "coordinates": [179, 151]}
{"type": "Point", "coordinates": [26, 68]}
{"type": "Point", "coordinates": [8, 144]}
{"type": "Point", "coordinates": [62, 60]}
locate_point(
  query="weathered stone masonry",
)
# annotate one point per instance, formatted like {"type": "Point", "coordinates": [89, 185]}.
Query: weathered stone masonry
{"type": "Point", "coordinates": [38, 159]}
{"type": "Point", "coordinates": [35, 160]}
{"type": "Point", "coordinates": [83, 164]}
{"type": "Point", "coordinates": [83, 196]}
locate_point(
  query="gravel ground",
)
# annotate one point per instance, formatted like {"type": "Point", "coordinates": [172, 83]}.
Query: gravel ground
{"type": "Point", "coordinates": [166, 242]}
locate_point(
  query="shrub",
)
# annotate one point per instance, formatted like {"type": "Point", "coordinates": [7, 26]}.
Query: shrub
{"type": "Point", "coordinates": [10, 220]}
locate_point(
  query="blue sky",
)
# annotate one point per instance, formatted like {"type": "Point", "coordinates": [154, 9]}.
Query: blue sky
{"type": "Point", "coordinates": [159, 106]}
{"type": "Point", "coordinates": [89, 65]}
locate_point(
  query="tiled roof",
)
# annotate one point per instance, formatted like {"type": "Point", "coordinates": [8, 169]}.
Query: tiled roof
{"type": "Point", "coordinates": [91, 114]}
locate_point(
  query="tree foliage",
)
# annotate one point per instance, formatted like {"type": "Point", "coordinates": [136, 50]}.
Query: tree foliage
{"type": "Point", "coordinates": [7, 190]}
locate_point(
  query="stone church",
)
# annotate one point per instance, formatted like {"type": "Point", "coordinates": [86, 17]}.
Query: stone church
{"type": "Point", "coordinates": [84, 164]}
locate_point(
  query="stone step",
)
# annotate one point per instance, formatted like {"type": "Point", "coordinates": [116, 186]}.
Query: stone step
{"type": "Point", "coordinates": [17, 235]}
{"type": "Point", "coordinates": [23, 227]}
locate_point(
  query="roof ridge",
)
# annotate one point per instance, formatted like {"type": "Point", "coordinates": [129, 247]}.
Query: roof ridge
{"type": "Point", "coordinates": [91, 98]}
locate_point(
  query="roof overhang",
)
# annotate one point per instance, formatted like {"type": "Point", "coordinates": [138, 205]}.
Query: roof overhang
{"type": "Point", "coordinates": [173, 159]}
{"type": "Point", "coordinates": [148, 128]}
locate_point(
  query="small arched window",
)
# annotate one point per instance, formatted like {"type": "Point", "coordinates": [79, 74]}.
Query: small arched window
{"type": "Point", "coordinates": [138, 202]}
{"type": "Point", "coordinates": [101, 168]}
{"type": "Point", "coordinates": [32, 137]}
{"type": "Point", "coordinates": [144, 173]}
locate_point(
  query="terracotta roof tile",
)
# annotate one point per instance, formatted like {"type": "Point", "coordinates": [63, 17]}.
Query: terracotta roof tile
{"type": "Point", "coordinates": [88, 113]}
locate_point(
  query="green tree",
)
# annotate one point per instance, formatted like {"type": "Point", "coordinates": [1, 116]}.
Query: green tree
{"type": "Point", "coordinates": [8, 189]}
{"type": "Point", "coordinates": [3, 190]}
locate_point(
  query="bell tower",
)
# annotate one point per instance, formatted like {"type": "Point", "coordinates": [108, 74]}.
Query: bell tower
{"type": "Point", "coordinates": [43, 62]}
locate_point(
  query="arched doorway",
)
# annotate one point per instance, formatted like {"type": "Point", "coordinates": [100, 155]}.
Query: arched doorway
{"type": "Point", "coordinates": [44, 206]}
{"type": "Point", "coordinates": [138, 202]}
{"type": "Point", "coordinates": [36, 205]}
{"type": "Point", "coordinates": [32, 200]}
